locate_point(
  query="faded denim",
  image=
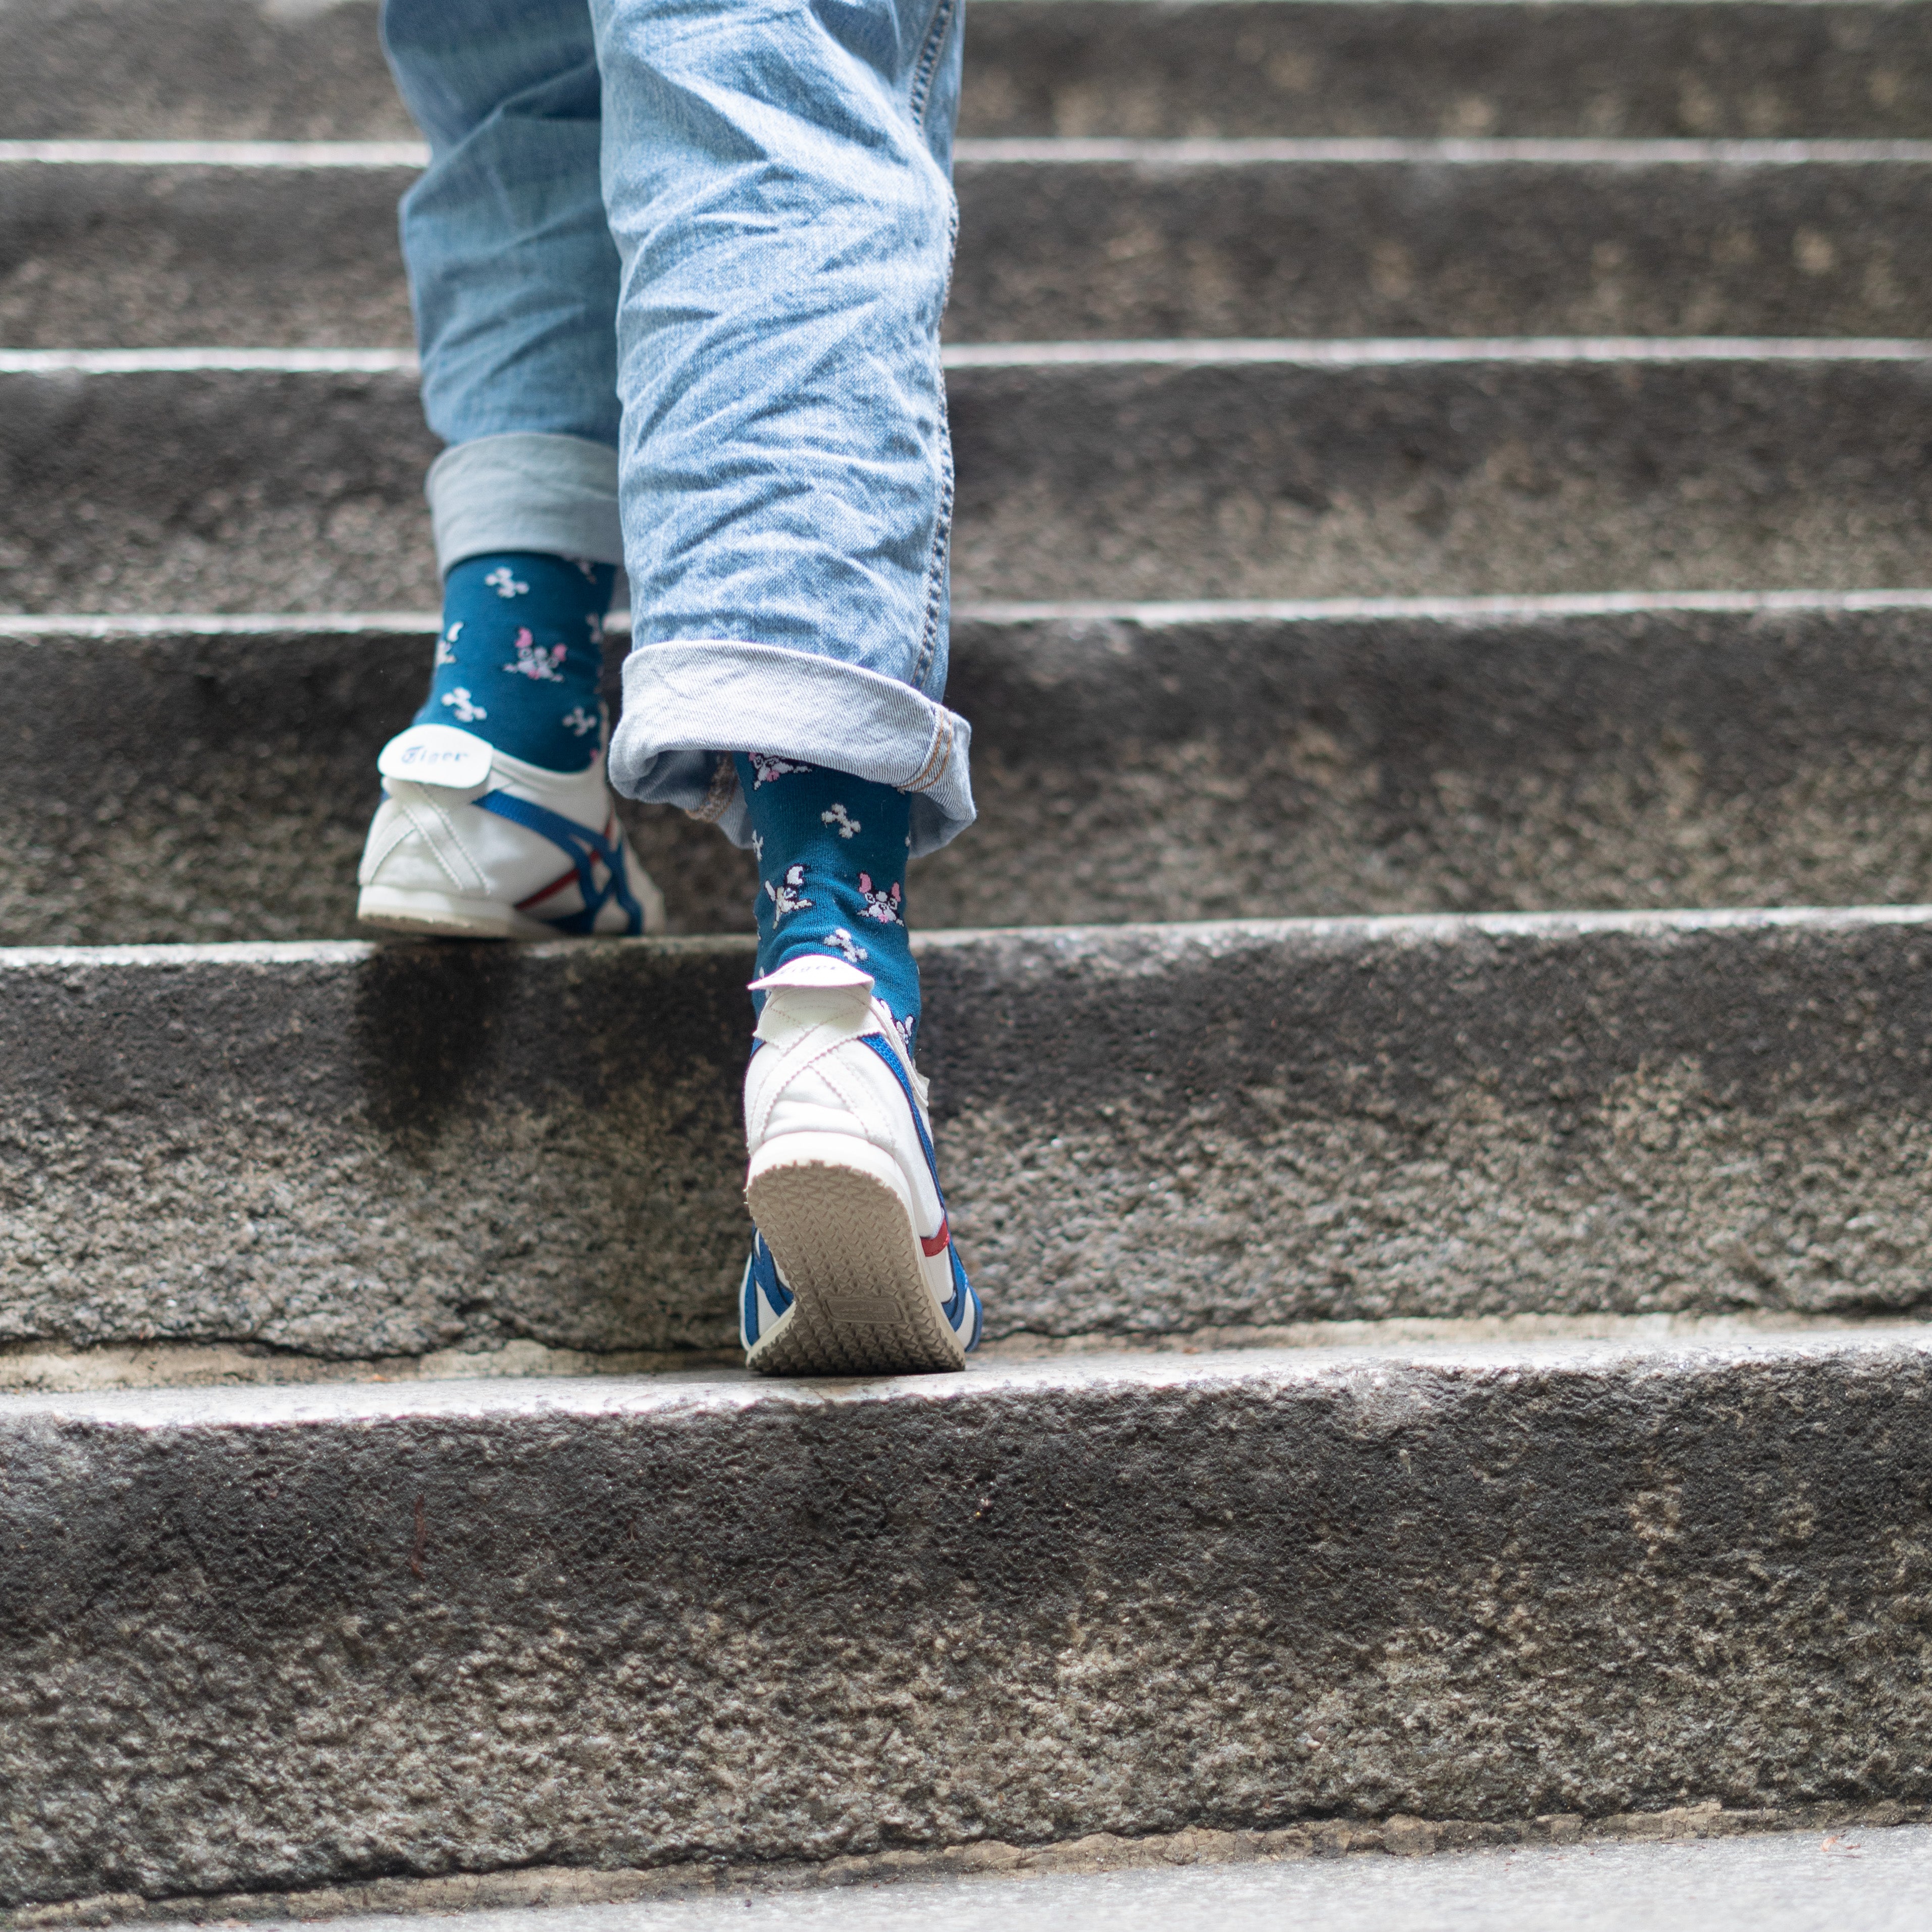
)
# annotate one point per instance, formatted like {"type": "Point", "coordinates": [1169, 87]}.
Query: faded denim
{"type": "Point", "coordinates": [714, 236]}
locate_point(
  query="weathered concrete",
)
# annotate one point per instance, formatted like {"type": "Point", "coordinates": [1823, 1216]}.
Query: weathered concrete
{"type": "Point", "coordinates": [218, 489]}
{"type": "Point", "coordinates": [1191, 470]}
{"type": "Point", "coordinates": [287, 1638]}
{"type": "Point", "coordinates": [1861, 1880]}
{"type": "Point", "coordinates": [58, 1369]}
{"type": "Point", "coordinates": [1274, 67]}
{"type": "Point", "coordinates": [230, 779]}
{"type": "Point", "coordinates": [1649, 469]}
{"type": "Point", "coordinates": [1446, 244]}
{"type": "Point", "coordinates": [238, 67]}
{"type": "Point", "coordinates": [1838, 1844]}
{"type": "Point", "coordinates": [112, 255]}
{"type": "Point", "coordinates": [355, 1152]}
{"type": "Point", "coordinates": [1190, 764]}
{"type": "Point", "coordinates": [1142, 763]}
{"type": "Point", "coordinates": [302, 70]}
{"type": "Point", "coordinates": [1101, 240]}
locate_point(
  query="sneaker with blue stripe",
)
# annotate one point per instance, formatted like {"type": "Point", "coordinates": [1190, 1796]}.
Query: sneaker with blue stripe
{"type": "Point", "coordinates": [853, 1270]}
{"type": "Point", "coordinates": [470, 843]}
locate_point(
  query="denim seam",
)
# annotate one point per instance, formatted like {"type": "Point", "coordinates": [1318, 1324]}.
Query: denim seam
{"type": "Point", "coordinates": [928, 59]}
{"type": "Point", "coordinates": [939, 755]}
{"type": "Point", "coordinates": [935, 568]}
{"type": "Point", "coordinates": [724, 789]}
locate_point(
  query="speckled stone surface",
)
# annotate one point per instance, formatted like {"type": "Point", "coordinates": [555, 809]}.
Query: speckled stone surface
{"type": "Point", "coordinates": [214, 68]}
{"type": "Point", "coordinates": [224, 489]}
{"type": "Point", "coordinates": [282, 1638]}
{"type": "Point", "coordinates": [353, 1152]}
{"type": "Point", "coordinates": [1052, 249]}
{"type": "Point", "coordinates": [1138, 765]}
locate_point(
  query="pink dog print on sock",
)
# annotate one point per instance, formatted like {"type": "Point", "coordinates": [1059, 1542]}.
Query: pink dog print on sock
{"type": "Point", "coordinates": [769, 770]}
{"type": "Point", "coordinates": [533, 661]}
{"type": "Point", "coordinates": [883, 906]}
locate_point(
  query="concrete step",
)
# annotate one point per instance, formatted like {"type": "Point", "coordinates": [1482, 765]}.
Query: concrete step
{"type": "Point", "coordinates": [258, 243]}
{"type": "Point", "coordinates": [210, 68]}
{"type": "Point", "coordinates": [347, 1153]}
{"type": "Point", "coordinates": [1132, 763]}
{"type": "Point", "coordinates": [1121, 238]}
{"type": "Point", "coordinates": [1310, 67]}
{"type": "Point", "coordinates": [280, 1638]}
{"type": "Point", "coordinates": [120, 245]}
{"type": "Point", "coordinates": [1846, 1868]}
{"type": "Point", "coordinates": [228, 479]}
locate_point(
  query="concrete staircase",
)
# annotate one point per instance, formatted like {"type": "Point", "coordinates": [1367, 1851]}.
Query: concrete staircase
{"type": "Point", "coordinates": [1461, 463]}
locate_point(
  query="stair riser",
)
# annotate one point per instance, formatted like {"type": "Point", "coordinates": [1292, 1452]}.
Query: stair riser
{"type": "Point", "coordinates": [1258, 769]}
{"type": "Point", "coordinates": [242, 489]}
{"type": "Point", "coordinates": [113, 256]}
{"type": "Point", "coordinates": [1125, 769]}
{"type": "Point", "coordinates": [655, 1626]}
{"type": "Point", "coordinates": [118, 256]}
{"type": "Point", "coordinates": [1265, 481]}
{"type": "Point", "coordinates": [1048, 252]}
{"type": "Point", "coordinates": [1277, 68]}
{"type": "Point", "coordinates": [211, 68]}
{"type": "Point", "coordinates": [1141, 1130]}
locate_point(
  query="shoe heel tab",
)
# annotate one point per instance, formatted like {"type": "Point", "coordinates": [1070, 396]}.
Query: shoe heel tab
{"type": "Point", "coordinates": [814, 973]}
{"type": "Point", "coordinates": [436, 755]}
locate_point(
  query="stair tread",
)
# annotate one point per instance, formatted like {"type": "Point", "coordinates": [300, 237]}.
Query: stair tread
{"type": "Point", "coordinates": [1398, 468]}
{"type": "Point", "coordinates": [673, 1395]}
{"type": "Point", "coordinates": [608, 1626]}
{"type": "Point", "coordinates": [201, 68]}
{"type": "Point", "coordinates": [325, 1148]}
{"type": "Point", "coordinates": [1071, 239]}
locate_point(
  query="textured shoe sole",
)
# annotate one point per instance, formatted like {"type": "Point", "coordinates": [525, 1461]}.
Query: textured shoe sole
{"type": "Point", "coordinates": [849, 1253]}
{"type": "Point", "coordinates": [443, 915]}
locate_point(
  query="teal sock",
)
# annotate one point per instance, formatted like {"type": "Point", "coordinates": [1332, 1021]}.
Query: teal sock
{"type": "Point", "coordinates": [521, 656]}
{"type": "Point", "coordinates": [832, 853]}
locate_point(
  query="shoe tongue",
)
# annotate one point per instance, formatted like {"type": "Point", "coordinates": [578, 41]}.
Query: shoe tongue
{"type": "Point", "coordinates": [437, 754]}
{"type": "Point", "coordinates": [814, 973]}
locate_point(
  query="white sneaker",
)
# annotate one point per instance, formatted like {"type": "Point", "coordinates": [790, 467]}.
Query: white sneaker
{"type": "Point", "coordinates": [854, 1271]}
{"type": "Point", "coordinates": [467, 843]}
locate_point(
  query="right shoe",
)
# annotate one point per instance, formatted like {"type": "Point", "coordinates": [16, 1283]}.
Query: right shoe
{"type": "Point", "coordinates": [467, 842]}
{"type": "Point", "coordinates": [854, 1271]}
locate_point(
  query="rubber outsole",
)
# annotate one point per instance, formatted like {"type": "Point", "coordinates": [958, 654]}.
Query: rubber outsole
{"type": "Point", "coordinates": [433, 915]}
{"type": "Point", "coordinates": [849, 1253]}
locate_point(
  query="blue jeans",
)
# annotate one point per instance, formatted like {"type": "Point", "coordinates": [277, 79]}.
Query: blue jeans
{"type": "Point", "coordinates": [678, 269]}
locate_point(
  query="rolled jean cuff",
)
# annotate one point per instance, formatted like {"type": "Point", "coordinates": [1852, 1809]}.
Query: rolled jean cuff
{"type": "Point", "coordinates": [557, 494]}
{"type": "Point", "coordinates": [684, 704]}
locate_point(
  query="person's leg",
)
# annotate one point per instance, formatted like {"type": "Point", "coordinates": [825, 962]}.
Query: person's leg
{"type": "Point", "coordinates": [497, 819]}
{"type": "Point", "coordinates": [776, 181]}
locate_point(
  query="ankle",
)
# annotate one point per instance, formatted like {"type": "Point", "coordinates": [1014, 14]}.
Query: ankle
{"type": "Point", "coordinates": [519, 657]}
{"type": "Point", "coordinates": [831, 850]}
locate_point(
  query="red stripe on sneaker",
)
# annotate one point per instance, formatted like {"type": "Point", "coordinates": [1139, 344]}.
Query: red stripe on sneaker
{"type": "Point", "coordinates": [556, 885]}
{"type": "Point", "coordinates": [938, 1243]}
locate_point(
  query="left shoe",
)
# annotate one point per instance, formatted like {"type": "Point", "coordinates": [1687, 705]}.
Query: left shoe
{"type": "Point", "coordinates": [470, 843]}
{"type": "Point", "coordinates": [853, 1270]}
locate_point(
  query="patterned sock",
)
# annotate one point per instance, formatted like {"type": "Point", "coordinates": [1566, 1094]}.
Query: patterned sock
{"type": "Point", "coordinates": [832, 852]}
{"type": "Point", "coordinates": [521, 654]}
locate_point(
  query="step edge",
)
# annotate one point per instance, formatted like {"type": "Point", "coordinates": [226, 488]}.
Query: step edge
{"type": "Point", "coordinates": [1205, 351]}
{"type": "Point", "coordinates": [243, 154]}
{"type": "Point", "coordinates": [700, 1394]}
{"type": "Point", "coordinates": [55, 1369]}
{"type": "Point", "coordinates": [29, 628]}
{"type": "Point", "coordinates": [1393, 930]}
